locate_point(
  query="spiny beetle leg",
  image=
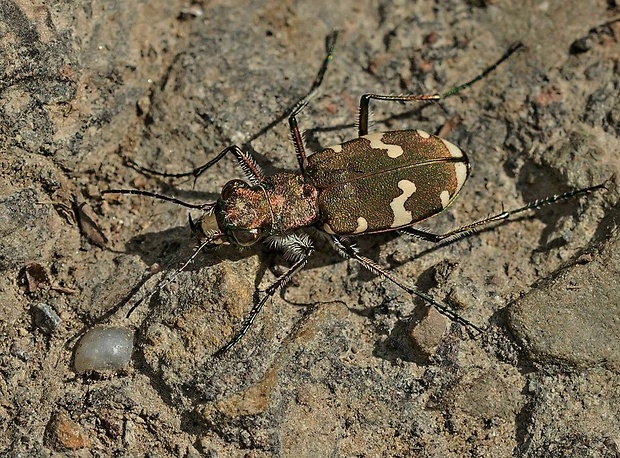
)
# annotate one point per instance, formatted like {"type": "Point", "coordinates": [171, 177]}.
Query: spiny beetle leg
{"type": "Point", "coordinates": [351, 252]}
{"type": "Point", "coordinates": [302, 249]}
{"type": "Point", "coordinates": [472, 228]}
{"type": "Point", "coordinates": [365, 99]}
{"type": "Point", "coordinates": [298, 142]}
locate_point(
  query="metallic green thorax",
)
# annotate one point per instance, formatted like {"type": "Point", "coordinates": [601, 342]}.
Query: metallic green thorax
{"type": "Point", "coordinates": [378, 182]}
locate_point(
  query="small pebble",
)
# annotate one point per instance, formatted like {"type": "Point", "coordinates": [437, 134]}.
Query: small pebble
{"type": "Point", "coordinates": [63, 434]}
{"type": "Point", "coordinates": [428, 333]}
{"type": "Point", "coordinates": [104, 348]}
{"type": "Point", "coordinates": [19, 352]}
{"type": "Point", "coordinates": [46, 318]}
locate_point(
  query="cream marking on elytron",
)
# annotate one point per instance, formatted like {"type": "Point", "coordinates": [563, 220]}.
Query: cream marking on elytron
{"type": "Point", "coordinates": [445, 198]}
{"type": "Point", "coordinates": [454, 150]}
{"type": "Point", "coordinates": [362, 225]}
{"type": "Point", "coordinates": [423, 134]}
{"type": "Point", "coordinates": [336, 148]}
{"type": "Point", "coordinates": [461, 174]}
{"type": "Point", "coordinates": [376, 141]}
{"type": "Point", "coordinates": [402, 217]}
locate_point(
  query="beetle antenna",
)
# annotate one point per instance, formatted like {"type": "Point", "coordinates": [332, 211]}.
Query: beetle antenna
{"type": "Point", "coordinates": [206, 206]}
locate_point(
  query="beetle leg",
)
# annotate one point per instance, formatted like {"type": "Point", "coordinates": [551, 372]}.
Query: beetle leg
{"type": "Point", "coordinates": [365, 99]}
{"type": "Point", "coordinates": [362, 122]}
{"type": "Point", "coordinates": [296, 247]}
{"type": "Point", "coordinates": [477, 226]}
{"type": "Point", "coordinates": [298, 141]}
{"type": "Point", "coordinates": [351, 252]}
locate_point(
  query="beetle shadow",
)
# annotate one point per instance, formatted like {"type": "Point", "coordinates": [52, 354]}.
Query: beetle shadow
{"type": "Point", "coordinates": [535, 182]}
{"type": "Point", "coordinates": [171, 248]}
{"type": "Point", "coordinates": [167, 251]}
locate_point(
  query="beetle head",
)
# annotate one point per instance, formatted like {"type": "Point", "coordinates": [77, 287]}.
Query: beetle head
{"type": "Point", "coordinates": [242, 216]}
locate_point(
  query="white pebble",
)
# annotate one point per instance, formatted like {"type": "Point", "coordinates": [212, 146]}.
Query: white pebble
{"type": "Point", "coordinates": [104, 349]}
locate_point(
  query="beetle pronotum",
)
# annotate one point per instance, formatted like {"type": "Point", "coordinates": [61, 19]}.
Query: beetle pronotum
{"type": "Point", "coordinates": [378, 182]}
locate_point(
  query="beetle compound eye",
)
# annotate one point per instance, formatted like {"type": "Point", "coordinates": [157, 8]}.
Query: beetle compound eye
{"type": "Point", "coordinates": [231, 186]}
{"type": "Point", "coordinates": [245, 237]}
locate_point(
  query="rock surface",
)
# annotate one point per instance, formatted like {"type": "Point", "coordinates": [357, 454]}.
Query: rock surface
{"type": "Point", "coordinates": [332, 366]}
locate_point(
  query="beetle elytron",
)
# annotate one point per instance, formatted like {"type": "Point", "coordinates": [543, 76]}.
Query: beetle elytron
{"type": "Point", "coordinates": [377, 182]}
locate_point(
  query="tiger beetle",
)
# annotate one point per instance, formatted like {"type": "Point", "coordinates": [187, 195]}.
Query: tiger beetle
{"type": "Point", "coordinates": [378, 182]}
